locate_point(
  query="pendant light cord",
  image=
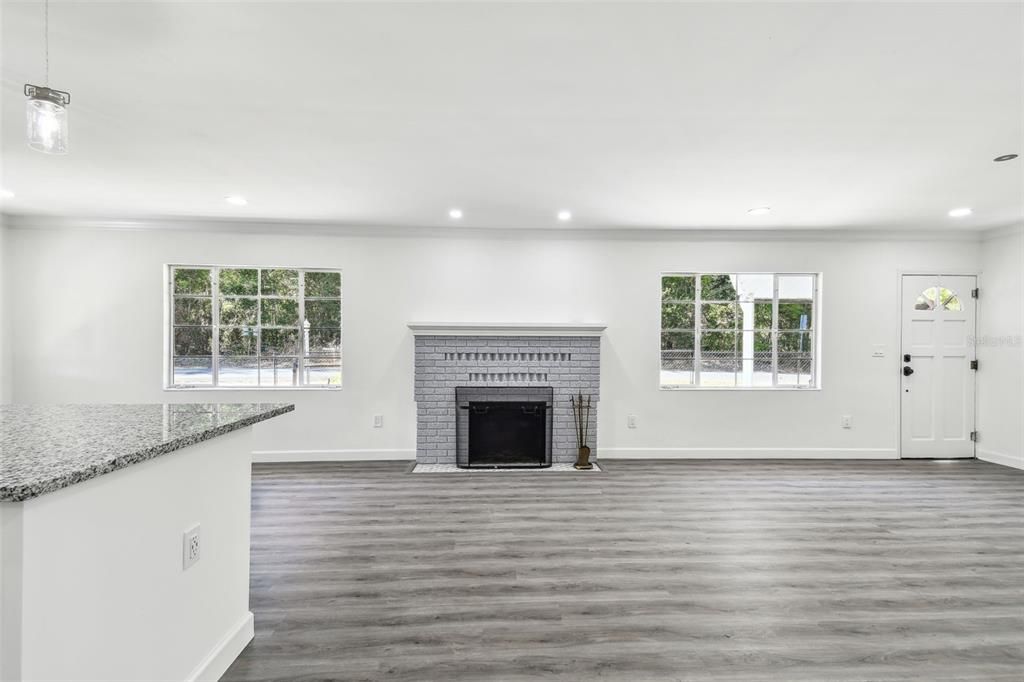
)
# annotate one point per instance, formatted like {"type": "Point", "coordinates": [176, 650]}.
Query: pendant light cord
{"type": "Point", "coordinates": [46, 39]}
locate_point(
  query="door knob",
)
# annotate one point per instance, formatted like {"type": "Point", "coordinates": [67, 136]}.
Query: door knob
{"type": "Point", "coordinates": [907, 371]}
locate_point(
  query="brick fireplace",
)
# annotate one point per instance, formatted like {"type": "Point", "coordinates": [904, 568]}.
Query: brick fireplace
{"type": "Point", "coordinates": [565, 358]}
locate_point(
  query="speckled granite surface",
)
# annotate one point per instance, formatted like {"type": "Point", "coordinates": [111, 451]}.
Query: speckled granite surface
{"type": "Point", "coordinates": [48, 447]}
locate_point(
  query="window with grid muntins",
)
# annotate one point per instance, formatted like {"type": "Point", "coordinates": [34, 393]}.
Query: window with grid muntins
{"type": "Point", "coordinates": [247, 327]}
{"type": "Point", "coordinates": [728, 330]}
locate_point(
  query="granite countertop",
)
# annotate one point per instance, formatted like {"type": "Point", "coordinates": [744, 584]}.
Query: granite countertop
{"type": "Point", "coordinates": [48, 447]}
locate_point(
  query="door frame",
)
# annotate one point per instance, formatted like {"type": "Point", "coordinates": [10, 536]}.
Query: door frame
{"type": "Point", "coordinates": [939, 272]}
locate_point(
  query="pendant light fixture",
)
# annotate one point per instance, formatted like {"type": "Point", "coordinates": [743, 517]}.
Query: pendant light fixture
{"type": "Point", "coordinates": [46, 110]}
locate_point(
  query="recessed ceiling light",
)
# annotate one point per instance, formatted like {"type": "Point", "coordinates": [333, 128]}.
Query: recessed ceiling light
{"type": "Point", "coordinates": [6, 194]}
{"type": "Point", "coordinates": [565, 216]}
{"type": "Point", "coordinates": [960, 212]}
{"type": "Point", "coordinates": [455, 214]}
{"type": "Point", "coordinates": [1005, 157]}
{"type": "Point", "coordinates": [760, 210]}
{"type": "Point", "coordinates": [236, 200]}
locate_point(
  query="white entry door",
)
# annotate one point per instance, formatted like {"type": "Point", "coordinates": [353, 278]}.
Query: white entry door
{"type": "Point", "coordinates": [937, 390]}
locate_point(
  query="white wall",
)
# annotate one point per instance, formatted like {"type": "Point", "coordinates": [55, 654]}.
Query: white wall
{"type": "Point", "coordinates": [5, 391]}
{"type": "Point", "coordinates": [90, 329]}
{"type": "Point", "coordinates": [5, 365]}
{"type": "Point", "coordinates": [1000, 349]}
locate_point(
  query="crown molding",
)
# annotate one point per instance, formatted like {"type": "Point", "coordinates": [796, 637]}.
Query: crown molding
{"type": "Point", "coordinates": [1004, 231]}
{"type": "Point", "coordinates": [332, 229]}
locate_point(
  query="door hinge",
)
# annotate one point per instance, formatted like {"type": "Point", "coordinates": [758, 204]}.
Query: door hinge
{"type": "Point", "coordinates": [974, 436]}
{"type": "Point", "coordinates": [974, 293]}
{"type": "Point", "coordinates": [974, 364]}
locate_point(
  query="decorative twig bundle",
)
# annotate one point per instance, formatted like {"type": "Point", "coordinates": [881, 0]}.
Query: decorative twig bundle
{"type": "Point", "coordinates": [581, 416]}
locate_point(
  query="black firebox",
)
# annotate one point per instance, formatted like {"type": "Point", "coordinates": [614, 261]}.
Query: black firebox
{"type": "Point", "coordinates": [503, 427]}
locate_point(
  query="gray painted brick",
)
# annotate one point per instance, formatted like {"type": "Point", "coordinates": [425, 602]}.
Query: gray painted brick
{"type": "Point", "coordinates": [441, 363]}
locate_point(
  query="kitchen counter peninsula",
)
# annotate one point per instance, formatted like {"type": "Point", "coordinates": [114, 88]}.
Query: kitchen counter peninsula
{"type": "Point", "coordinates": [124, 539]}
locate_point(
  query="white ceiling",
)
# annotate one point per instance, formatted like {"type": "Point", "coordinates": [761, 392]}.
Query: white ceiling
{"type": "Point", "coordinates": [660, 115]}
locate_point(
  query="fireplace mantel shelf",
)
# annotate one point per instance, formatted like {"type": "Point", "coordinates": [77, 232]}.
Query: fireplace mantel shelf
{"type": "Point", "coordinates": [507, 328]}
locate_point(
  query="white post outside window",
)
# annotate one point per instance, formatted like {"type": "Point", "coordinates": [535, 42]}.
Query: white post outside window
{"type": "Point", "coordinates": [747, 320]}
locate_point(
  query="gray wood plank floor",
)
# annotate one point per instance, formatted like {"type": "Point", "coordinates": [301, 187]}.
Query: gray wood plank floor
{"type": "Point", "coordinates": [700, 570]}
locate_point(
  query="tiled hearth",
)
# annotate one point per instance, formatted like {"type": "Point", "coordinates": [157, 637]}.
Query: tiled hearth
{"type": "Point", "coordinates": [560, 467]}
{"type": "Point", "coordinates": [566, 358]}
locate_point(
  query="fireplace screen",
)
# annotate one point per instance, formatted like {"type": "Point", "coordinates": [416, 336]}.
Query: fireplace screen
{"type": "Point", "coordinates": [503, 427]}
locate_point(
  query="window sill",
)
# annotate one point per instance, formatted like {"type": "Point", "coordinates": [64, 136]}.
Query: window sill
{"type": "Point", "coordinates": [192, 389]}
{"type": "Point", "coordinates": [766, 389]}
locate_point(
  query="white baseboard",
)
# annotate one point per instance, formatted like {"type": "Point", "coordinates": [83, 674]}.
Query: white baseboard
{"type": "Point", "coordinates": [217, 662]}
{"type": "Point", "coordinates": [1000, 458]}
{"type": "Point", "coordinates": [330, 455]}
{"type": "Point", "coordinates": [747, 453]}
{"type": "Point", "coordinates": [609, 453]}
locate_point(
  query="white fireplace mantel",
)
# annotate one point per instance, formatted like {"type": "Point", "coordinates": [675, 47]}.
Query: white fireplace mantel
{"type": "Point", "coordinates": [507, 328]}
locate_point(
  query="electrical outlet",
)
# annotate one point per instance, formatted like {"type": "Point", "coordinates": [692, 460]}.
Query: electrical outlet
{"type": "Point", "coordinates": [878, 352]}
{"type": "Point", "coordinates": [378, 421]}
{"type": "Point", "coordinates": [190, 547]}
{"type": "Point", "coordinates": [631, 421]}
{"type": "Point", "coordinates": [846, 421]}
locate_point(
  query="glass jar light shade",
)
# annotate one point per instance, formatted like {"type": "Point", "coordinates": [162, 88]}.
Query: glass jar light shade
{"type": "Point", "coordinates": [47, 126]}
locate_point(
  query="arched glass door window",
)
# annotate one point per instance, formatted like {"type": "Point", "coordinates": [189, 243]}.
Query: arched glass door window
{"type": "Point", "coordinates": [938, 298]}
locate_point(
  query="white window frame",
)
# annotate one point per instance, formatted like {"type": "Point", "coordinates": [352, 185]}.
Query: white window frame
{"type": "Point", "coordinates": [816, 329]}
{"type": "Point", "coordinates": [168, 372]}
